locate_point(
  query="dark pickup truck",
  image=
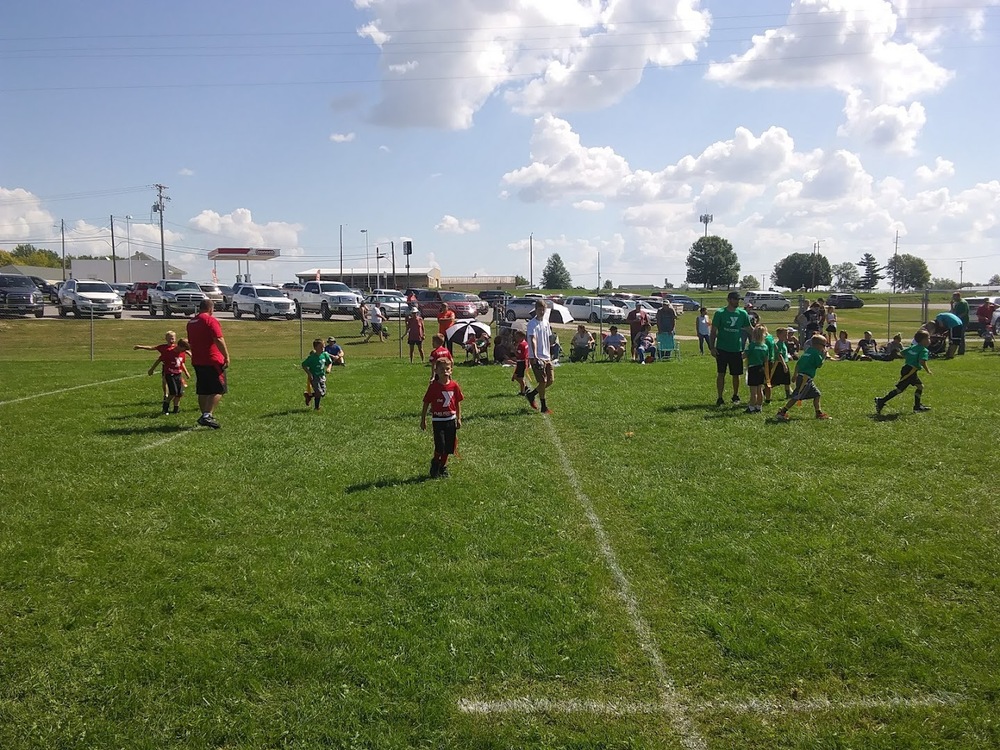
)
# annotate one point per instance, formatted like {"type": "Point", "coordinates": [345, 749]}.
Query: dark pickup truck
{"type": "Point", "coordinates": [20, 296]}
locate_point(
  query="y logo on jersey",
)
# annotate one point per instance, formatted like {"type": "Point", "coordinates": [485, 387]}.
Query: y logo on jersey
{"type": "Point", "coordinates": [446, 399]}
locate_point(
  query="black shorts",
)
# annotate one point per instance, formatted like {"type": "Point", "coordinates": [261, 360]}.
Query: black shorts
{"type": "Point", "coordinates": [731, 360]}
{"type": "Point", "coordinates": [445, 436]}
{"type": "Point", "coordinates": [211, 380]}
{"type": "Point", "coordinates": [957, 334]}
{"type": "Point", "coordinates": [520, 368]}
{"type": "Point", "coordinates": [832, 328]}
{"type": "Point", "coordinates": [175, 386]}
{"type": "Point", "coordinates": [805, 388]}
{"type": "Point", "coordinates": [780, 375]}
{"type": "Point", "coordinates": [905, 382]}
{"type": "Point", "coordinates": [755, 375]}
{"type": "Point", "coordinates": [414, 342]}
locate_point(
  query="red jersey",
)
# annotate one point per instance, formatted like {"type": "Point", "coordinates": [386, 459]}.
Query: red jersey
{"type": "Point", "coordinates": [440, 353]}
{"type": "Point", "coordinates": [445, 320]}
{"type": "Point", "coordinates": [172, 359]}
{"type": "Point", "coordinates": [443, 400]}
{"type": "Point", "coordinates": [521, 353]}
{"type": "Point", "coordinates": [203, 329]}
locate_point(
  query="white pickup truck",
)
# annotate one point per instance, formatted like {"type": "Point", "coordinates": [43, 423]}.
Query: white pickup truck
{"type": "Point", "coordinates": [326, 298]}
{"type": "Point", "coordinates": [172, 296]}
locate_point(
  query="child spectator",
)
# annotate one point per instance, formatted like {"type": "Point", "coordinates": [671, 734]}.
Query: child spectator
{"type": "Point", "coordinates": [805, 378]}
{"type": "Point", "coordinates": [842, 349]}
{"type": "Point", "coordinates": [988, 339]}
{"type": "Point", "coordinates": [704, 328]}
{"type": "Point", "coordinates": [890, 351]}
{"type": "Point", "coordinates": [867, 347]}
{"type": "Point", "coordinates": [172, 354]}
{"type": "Point", "coordinates": [758, 374]}
{"type": "Point", "coordinates": [792, 344]}
{"type": "Point", "coordinates": [443, 398]}
{"type": "Point", "coordinates": [317, 365]}
{"type": "Point", "coordinates": [915, 356]}
{"type": "Point", "coordinates": [780, 373]}
{"type": "Point", "coordinates": [335, 351]}
{"type": "Point", "coordinates": [645, 345]}
{"type": "Point", "coordinates": [415, 333]}
{"type": "Point", "coordinates": [582, 344]}
{"type": "Point", "coordinates": [831, 323]}
{"type": "Point", "coordinates": [440, 351]}
{"type": "Point", "coordinates": [520, 362]}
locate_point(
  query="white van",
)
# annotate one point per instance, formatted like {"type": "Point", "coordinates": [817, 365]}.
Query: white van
{"type": "Point", "coordinates": [766, 301]}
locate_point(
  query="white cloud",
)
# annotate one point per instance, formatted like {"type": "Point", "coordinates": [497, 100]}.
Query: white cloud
{"type": "Point", "coordinates": [926, 21]}
{"type": "Point", "coordinates": [852, 49]}
{"type": "Point", "coordinates": [885, 126]}
{"type": "Point", "coordinates": [451, 225]}
{"type": "Point", "coordinates": [943, 169]}
{"type": "Point", "coordinates": [589, 206]}
{"type": "Point", "coordinates": [239, 228]}
{"type": "Point", "coordinates": [22, 216]}
{"type": "Point", "coordinates": [342, 137]}
{"type": "Point", "coordinates": [384, 149]}
{"type": "Point", "coordinates": [185, 172]}
{"type": "Point", "coordinates": [544, 56]}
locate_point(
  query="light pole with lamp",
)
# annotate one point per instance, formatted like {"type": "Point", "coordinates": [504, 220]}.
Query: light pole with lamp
{"type": "Point", "coordinates": [378, 271]}
{"type": "Point", "coordinates": [128, 244]}
{"type": "Point", "coordinates": [368, 269]}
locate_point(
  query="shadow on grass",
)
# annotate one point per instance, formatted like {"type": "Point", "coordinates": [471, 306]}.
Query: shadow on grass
{"type": "Point", "coordinates": [163, 428]}
{"type": "Point", "coordinates": [725, 412]}
{"type": "Point", "coordinates": [286, 412]}
{"type": "Point", "coordinates": [673, 408]}
{"type": "Point", "coordinates": [381, 484]}
{"type": "Point", "coordinates": [884, 417]}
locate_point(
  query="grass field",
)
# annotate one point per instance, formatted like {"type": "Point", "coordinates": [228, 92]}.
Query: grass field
{"type": "Point", "coordinates": [639, 570]}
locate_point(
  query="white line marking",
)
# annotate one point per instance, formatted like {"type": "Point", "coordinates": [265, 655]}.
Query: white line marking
{"type": "Point", "coordinates": [66, 390]}
{"type": "Point", "coordinates": [753, 706]}
{"type": "Point", "coordinates": [672, 703]}
{"type": "Point", "coordinates": [158, 443]}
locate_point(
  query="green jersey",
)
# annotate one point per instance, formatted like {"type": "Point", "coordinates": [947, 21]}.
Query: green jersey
{"type": "Point", "coordinates": [961, 309]}
{"type": "Point", "coordinates": [729, 325]}
{"type": "Point", "coordinates": [772, 347]}
{"type": "Point", "coordinates": [915, 355]}
{"type": "Point", "coordinates": [810, 361]}
{"type": "Point", "coordinates": [316, 363]}
{"type": "Point", "coordinates": [757, 354]}
{"type": "Point", "coordinates": [781, 350]}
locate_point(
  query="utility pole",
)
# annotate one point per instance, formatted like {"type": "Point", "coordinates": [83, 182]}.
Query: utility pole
{"type": "Point", "coordinates": [128, 244]}
{"type": "Point", "coordinates": [531, 260]}
{"type": "Point", "coordinates": [961, 273]}
{"type": "Point", "coordinates": [158, 208]}
{"type": "Point", "coordinates": [341, 253]}
{"type": "Point", "coordinates": [114, 258]}
{"type": "Point", "coordinates": [815, 258]}
{"type": "Point", "coordinates": [895, 263]}
{"type": "Point", "coordinates": [368, 268]}
{"type": "Point", "coordinates": [62, 232]}
{"type": "Point", "coordinates": [392, 247]}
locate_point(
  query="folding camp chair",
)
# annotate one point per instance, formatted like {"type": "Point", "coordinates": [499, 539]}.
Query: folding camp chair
{"type": "Point", "coordinates": [667, 346]}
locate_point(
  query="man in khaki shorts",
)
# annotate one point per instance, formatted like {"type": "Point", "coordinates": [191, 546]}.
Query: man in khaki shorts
{"type": "Point", "coordinates": [540, 355]}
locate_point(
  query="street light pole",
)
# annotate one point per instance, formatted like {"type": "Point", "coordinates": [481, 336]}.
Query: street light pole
{"type": "Point", "coordinates": [341, 253]}
{"type": "Point", "coordinates": [128, 244]}
{"type": "Point", "coordinates": [531, 260]}
{"type": "Point", "coordinates": [114, 256]}
{"type": "Point", "coordinates": [368, 268]}
{"type": "Point", "coordinates": [62, 232]}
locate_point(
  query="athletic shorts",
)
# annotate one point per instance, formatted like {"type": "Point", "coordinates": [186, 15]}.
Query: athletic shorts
{"type": "Point", "coordinates": [832, 328]}
{"type": "Point", "coordinates": [731, 360]}
{"type": "Point", "coordinates": [779, 375]}
{"type": "Point", "coordinates": [755, 375]}
{"type": "Point", "coordinates": [542, 370]}
{"type": "Point", "coordinates": [175, 386]}
{"type": "Point", "coordinates": [211, 380]}
{"type": "Point", "coordinates": [445, 436]}
{"type": "Point", "coordinates": [318, 384]}
{"type": "Point", "coordinates": [805, 389]}
{"type": "Point", "coordinates": [906, 382]}
{"type": "Point", "coordinates": [414, 342]}
{"type": "Point", "coordinates": [520, 368]}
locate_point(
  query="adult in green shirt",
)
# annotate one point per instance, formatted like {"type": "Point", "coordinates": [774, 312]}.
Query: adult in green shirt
{"type": "Point", "coordinates": [725, 342]}
{"type": "Point", "coordinates": [960, 308]}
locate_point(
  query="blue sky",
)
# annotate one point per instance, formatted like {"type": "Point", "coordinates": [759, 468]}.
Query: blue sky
{"type": "Point", "coordinates": [602, 129]}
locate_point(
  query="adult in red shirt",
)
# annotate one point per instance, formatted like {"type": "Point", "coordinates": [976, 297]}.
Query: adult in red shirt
{"type": "Point", "coordinates": [446, 319]}
{"type": "Point", "coordinates": [984, 314]}
{"type": "Point", "coordinates": [637, 318]}
{"type": "Point", "coordinates": [210, 358]}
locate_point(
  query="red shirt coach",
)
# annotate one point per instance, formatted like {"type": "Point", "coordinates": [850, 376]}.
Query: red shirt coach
{"type": "Point", "coordinates": [210, 358]}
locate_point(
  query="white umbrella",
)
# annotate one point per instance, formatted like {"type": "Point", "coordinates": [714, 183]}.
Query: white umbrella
{"type": "Point", "coordinates": [459, 332]}
{"type": "Point", "coordinates": [520, 325]}
{"type": "Point", "coordinates": [560, 314]}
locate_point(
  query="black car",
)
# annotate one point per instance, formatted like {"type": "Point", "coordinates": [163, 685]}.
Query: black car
{"type": "Point", "coordinates": [682, 299]}
{"type": "Point", "coordinates": [495, 295]}
{"type": "Point", "coordinates": [844, 301]}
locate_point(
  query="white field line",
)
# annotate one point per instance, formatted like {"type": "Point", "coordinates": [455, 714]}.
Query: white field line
{"type": "Point", "coordinates": [754, 706]}
{"type": "Point", "coordinates": [164, 441]}
{"type": "Point", "coordinates": [66, 390]}
{"type": "Point", "coordinates": [672, 703]}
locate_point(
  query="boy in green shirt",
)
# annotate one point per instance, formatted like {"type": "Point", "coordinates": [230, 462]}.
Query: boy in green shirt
{"type": "Point", "coordinates": [805, 374]}
{"type": "Point", "coordinates": [916, 357]}
{"type": "Point", "coordinates": [317, 365]}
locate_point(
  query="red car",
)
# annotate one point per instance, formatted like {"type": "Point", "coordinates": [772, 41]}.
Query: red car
{"type": "Point", "coordinates": [138, 296]}
{"type": "Point", "coordinates": [432, 302]}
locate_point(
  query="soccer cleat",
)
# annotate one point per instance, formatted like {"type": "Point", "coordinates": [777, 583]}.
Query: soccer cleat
{"type": "Point", "coordinates": [782, 416]}
{"type": "Point", "coordinates": [823, 415]}
{"type": "Point", "coordinates": [719, 401]}
{"type": "Point", "coordinates": [443, 472]}
{"type": "Point", "coordinates": [546, 410]}
{"type": "Point", "coordinates": [735, 399]}
{"type": "Point", "coordinates": [176, 409]}
{"type": "Point", "coordinates": [879, 405]}
{"type": "Point", "coordinates": [749, 410]}
{"type": "Point", "coordinates": [308, 397]}
{"type": "Point", "coordinates": [207, 420]}
{"type": "Point", "coordinates": [921, 407]}
{"type": "Point", "coordinates": [435, 468]}
{"type": "Point", "coordinates": [531, 400]}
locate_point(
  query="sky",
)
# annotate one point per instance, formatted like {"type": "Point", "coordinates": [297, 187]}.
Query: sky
{"type": "Point", "coordinates": [496, 133]}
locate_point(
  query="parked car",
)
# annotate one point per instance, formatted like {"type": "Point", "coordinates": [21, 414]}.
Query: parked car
{"type": "Point", "coordinates": [49, 289]}
{"type": "Point", "coordinates": [519, 307]}
{"type": "Point", "coordinates": [326, 298]}
{"type": "Point", "coordinates": [292, 286]}
{"type": "Point", "coordinates": [214, 292]}
{"type": "Point", "coordinates": [431, 302]}
{"type": "Point", "coordinates": [88, 297]}
{"type": "Point", "coordinates": [482, 306]}
{"type": "Point", "coordinates": [844, 301]}
{"type": "Point", "coordinates": [263, 301]}
{"type": "Point", "coordinates": [20, 296]}
{"type": "Point", "coordinates": [628, 305]}
{"type": "Point", "coordinates": [392, 306]}
{"type": "Point", "coordinates": [594, 309]}
{"type": "Point", "coordinates": [687, 302]}
{"type": "Point", "coordinates": [138, 296]}
{"type": "Point", "coordinates": [974, 304]}
{"type": "Point", "coordinates": [171, 296]}
{"type": "Point", "coordinates": [122, 290]}
{"type": "Point", "coordinates": [495, 295]}
{"type": "Point", "coordinates": [765, 301]}
{"type": "Point", "coordinates": [389, 293]}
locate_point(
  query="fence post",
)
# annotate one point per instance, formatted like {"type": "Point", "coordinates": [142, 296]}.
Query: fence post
{"type": "Point", "coordinates": [92, 331]}
{"type": "Point", "coordinates": [888, 321]}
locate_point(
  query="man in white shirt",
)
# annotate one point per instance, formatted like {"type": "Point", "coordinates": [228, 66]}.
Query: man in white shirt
{"type": "Point", "coordinates": [540, 355]}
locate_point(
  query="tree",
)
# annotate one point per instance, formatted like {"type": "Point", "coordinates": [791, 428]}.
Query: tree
{"type": "Point", "coordinates": [845, 276]}
{"type": "Point", "coordinates": [29, 255]}
{"type": "Point", "coordinates": [608, 284]}
{"type": "Point", "coordinates": [555, 275]}
{"type": "Point", "coordinates": [802, 271]}
{"type": "Point", "coordinates": [994, 280]}
{"type": "Point", "coordinates": [712, 262]}
{"type": "Point", "coordinates": [749, 282]}
{"type": "Point", "coordinates": [520, 281]}
{"type": "Point", "coordinates": [907, 272]}
{"type": "Point", "coordinates": [870, 276]}
{"type": "Point", "coordinates": [6, 258]}
{"type": "Point", "coordinates": [940, 283]}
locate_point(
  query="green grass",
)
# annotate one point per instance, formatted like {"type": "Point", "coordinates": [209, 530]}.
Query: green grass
{"type": "Point", "coordinates": [292, 581]}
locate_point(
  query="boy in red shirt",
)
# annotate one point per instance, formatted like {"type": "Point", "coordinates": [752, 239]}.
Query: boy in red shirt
{"type": "Point", "coordinates": [444, 399]}
{"type": "Point", "coordinates": [439, 351]}
{"type": "Point", "coordinates": [172, 355]}
{"type": "Point", "coordinates": [520, 361]}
